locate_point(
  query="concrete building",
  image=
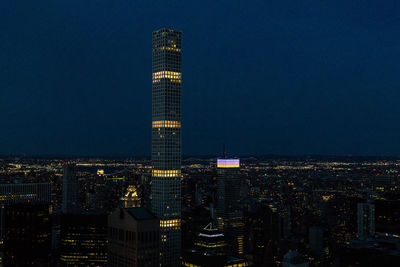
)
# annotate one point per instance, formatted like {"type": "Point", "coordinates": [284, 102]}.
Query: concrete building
{"type": "Point", "coordinates": [133, 238]}
{"type": "Point", "coordinates": [83, 239]}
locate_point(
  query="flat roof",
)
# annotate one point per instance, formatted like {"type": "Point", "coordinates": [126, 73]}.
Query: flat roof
{"type": "Point", "coordinates": [140, 213]}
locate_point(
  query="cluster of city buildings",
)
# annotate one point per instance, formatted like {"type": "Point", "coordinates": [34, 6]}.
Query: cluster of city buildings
{"type": "Point", "coordinates": [205, 212]}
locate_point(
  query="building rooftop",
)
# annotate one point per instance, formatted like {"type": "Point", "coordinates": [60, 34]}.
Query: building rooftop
{"type": "Point", "coordinates": [140, 213]}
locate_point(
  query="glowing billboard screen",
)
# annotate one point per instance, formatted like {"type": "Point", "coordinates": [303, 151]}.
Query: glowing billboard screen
{"type": "Point", "coordinates": [228, 163]}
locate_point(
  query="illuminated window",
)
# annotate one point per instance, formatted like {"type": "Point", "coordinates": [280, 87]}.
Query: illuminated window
{"type": "Point", "coordinates": [175, 223]}
{"type": "Point", "coordinates": [166, 173]}
{"type": "Point", "coordinates": [170, 48]}
{"type": "Point", "coordinates": [166, 124]}
{"type": "Point", "coordinates": [172, 75]}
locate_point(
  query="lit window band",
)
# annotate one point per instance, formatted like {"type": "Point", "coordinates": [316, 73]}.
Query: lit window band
{"type": "Point", "coordinates": [228, 163]}
{"type": "Point", "coordinates": [166, 124]}
{"type": "Point", "coordinates": [166, 173]}
{"type": "Point", "coordinates": [172, 75]}
{"type": "Point", "coordinates": [176, 223]}
{"type": "Point", "coordinates": [170, 48]}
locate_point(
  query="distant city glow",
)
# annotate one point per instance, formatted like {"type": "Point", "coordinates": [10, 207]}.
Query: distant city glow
{"type": "Point", "coordinates": [228, 163]}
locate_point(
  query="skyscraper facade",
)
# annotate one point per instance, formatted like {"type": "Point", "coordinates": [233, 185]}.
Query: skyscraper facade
{"type": "Point", "coordinates": [229, 207]}
{"type": "Point", "coordinates": [365, 220]}
{"type": "Point", "coordinates": [166, 142]}
{"type": "Point", "coordinates": [70, 190]}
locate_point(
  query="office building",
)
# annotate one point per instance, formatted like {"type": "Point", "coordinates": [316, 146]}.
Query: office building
{"type": "Point", "coordinates": [26, 230]}
{"type": "Point", "coordinates": [70, 190]}
{"type": "Point", "coordinates": [83, 239]}
{"type": "Point", "coordinates": [365, 220]}
{"type": "Point", "coordinates": [229, 206]}
{"type": "Point", "coordinates": [25, 193]}
{"type": "Point", "coordinates": [24, 222]}
{"type": "Point", "coordinates": [133, 238]}
{"type": "Point", "coordinates": [166, 142]}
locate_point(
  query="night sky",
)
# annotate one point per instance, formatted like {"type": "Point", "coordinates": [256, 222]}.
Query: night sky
{"type": "Point", "coordinates": [282, 77]}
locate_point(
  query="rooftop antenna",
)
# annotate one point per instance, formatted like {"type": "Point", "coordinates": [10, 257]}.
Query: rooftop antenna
{"type": "Point", "coordinates": [223, 151]}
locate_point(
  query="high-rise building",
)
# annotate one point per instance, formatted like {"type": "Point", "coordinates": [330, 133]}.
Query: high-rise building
{"type": "Point", "coordinates": [166, 142]}
{"type": "Point", "coordinates": [229, 206]}
{"type": "Point", "coordinates": [133, 238]}
{"type": "Point", "coordinates": [24, 222]}
{"type": "Point", "coordinates": [26, 239]}
{"type": "Point", "coordinates": [365, 220]}
{"type": "Point", "coordinates": [83, 239]}
{"type": "Point", "coordinates": [70, 190]}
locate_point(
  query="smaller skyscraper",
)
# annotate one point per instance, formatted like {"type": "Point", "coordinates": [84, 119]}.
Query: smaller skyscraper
{"type": "Point", "coordinates": [70, 203]}
{"type": "Point", "coordinates": [365, 220]}
{"type": "Point", "coordinates": [133, 238]}
{"type": "Point", "coordinates": [229, 206]}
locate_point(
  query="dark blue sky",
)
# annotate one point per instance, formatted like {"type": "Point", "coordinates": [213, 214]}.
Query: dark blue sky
{"type": "Point", "coordinates": [263, 77]}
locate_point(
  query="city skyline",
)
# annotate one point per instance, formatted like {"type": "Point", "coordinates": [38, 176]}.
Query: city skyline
{"type": "Point", "coordinates": [322, 79]}
{"type": "Point", "coordinates": [166, 134]}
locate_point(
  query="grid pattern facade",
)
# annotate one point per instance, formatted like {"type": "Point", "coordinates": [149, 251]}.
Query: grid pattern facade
{"type": "Point", "coordinates": [24, 193]}
{"type": "Point", "coordinates": [229, 208]}
{"type": "Point", "coordinates": [166, 142]}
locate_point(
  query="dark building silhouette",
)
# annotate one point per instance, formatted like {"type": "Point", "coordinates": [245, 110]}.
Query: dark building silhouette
{"type": "Point", "coordinates": [25, 227]}
{"type": "Point", "coordinates": [387, 216]}
{"type": "Point", "coordinates": [383, 250]}
{"type": "Point", "coordinates": [26, 234]}
{"type": "Point", "coordinates": [83, 239]}
{"type": "Point", "coordinates": [210, 251]}
{"type": "Point", "coordinates": [133, 238]}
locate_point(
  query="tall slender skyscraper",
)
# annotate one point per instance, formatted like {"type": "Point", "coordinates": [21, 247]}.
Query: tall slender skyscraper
{"type": "Point", "coordinates": [166, 142]}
